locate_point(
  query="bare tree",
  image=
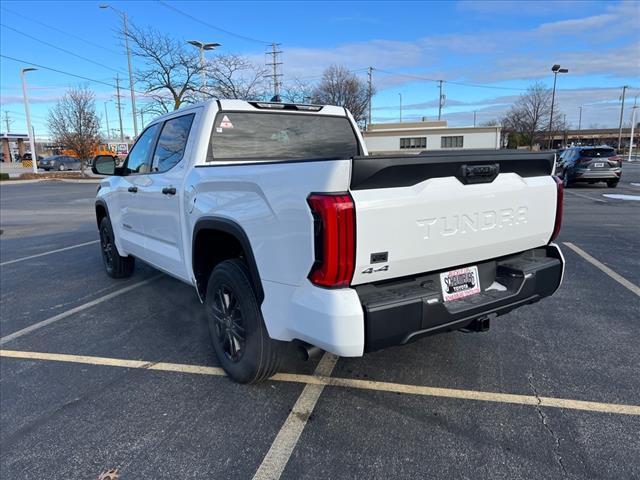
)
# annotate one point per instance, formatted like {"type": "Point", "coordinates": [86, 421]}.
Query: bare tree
{"type": "Point", "coordinates": [73, 123]}
{"type": "Point", "coordinates": [527, 121]}
{"type": "Point", "coordinates": [235, 76]}
{"type": "Point", "coordinates": [341, 87]}
{"type": "Point", "coordinates": [170, 73]}
{"type": "Point", "coordinates": [297, 91]}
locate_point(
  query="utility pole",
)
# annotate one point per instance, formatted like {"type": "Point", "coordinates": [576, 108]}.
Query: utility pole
{"type": "Point", "coordinates": [119, 107]}
{"type": "Point", "coordinates": [474, 119]}
{"type": "Point", "coordinates": [624, 90]}
{"type": "Point", "coordinates": [441, 100]}
{"type": "Point", "coordinates": [400, 107]}
{"type": "Point", "coordinates": [275, 76]}
{"type": "Point", "coordinates": [7, 121]}
{"type": "Point", "coordinates": [370, 94]}
{"type": "Point", "coordinates": [142, 117]}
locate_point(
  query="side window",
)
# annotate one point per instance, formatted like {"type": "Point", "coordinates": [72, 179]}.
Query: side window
{"type": "Point", "coordinates": [139, 159]}
{"type": "Point", "coordinates": [172, 143]}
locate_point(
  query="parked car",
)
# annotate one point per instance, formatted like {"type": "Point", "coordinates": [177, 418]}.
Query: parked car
{"type": "Point", "coordinates": [590, 165]}
{"type": "Point", "coordinates": [59, 162]}
{"type": "Point", "coordinates": [290, 232]}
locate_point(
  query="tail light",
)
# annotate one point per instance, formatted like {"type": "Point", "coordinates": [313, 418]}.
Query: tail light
{"type": "Point", "coordinates": [617, 159]}
{"type": "Point", "coordinates": [334, 236]}
{"type": "Point", "coordinates": [559, 204]}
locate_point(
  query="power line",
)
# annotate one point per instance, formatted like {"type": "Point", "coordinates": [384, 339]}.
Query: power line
{"type": "Point", "coordinates": [66, 73]}
{"type": "Point", "coordinates": [88, 42]}
{"type": "Point", "coordinates": [60, 48]}
{"type": "Point", "coordinates": [475, 85]}
{"type": "Point", "coordinates": [202, 22]}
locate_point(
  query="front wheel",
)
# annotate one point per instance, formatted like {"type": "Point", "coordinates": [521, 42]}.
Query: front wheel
{"type": "Point", "coordinates": [237, 330]}
{"type": "Point", "coordinates": [115, 265]}
{"type": "Point", "coordinates": [61, 167]}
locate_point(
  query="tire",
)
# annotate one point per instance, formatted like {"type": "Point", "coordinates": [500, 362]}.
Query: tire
{"type": "Point", "coordinates": [238, 333]}
{"type": "Point", "coordinates": [612, 183]}
{"type": "Point", "coordinates": [61, 167]}
{"type": "Point", "coordinates": [565, 180]}
{"type": "Point", "coordinates": [115, 265]}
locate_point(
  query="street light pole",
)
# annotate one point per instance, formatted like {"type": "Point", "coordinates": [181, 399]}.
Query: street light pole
{"type": "Point", "coordinates": [633, 124]}
{"type": "Point", "coordinates": [580, 123]}
{"type": "Point", "coordinates": [555, 69]}
{"type": "Point", "coordinates": [624, 89]}
{"type": "Point", "coordinates": [106, 116]}
{"type": "Point", "coordinates": [400, 107]}
{"type": "Point", "coordinates": [203, 74]}
{"type": "Point", "coordinates": [27, 112]}
{"type": "Point", "coordinates": [125, 22]}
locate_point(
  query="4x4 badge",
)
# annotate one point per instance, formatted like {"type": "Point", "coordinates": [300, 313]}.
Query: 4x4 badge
{"type": "Point", "coordinates": [372, 270]}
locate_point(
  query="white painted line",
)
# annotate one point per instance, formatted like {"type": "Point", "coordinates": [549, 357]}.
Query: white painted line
{"type": "Point", "coordinates": [584, 196]}
{"type": "Point", "coordinates": [635, 184]}
{"type": "Point", "coordinates": [282, 447]}
{"type": "Point", "coordinates": [79, 308]}
{"type": "Point", "coordinates": [321, 379]}
{"type": "Point", "coordinates": [620, 196]}
{"type": "Point", "coordinates": [617, 277]}
{"type": "Point", "coordinates": [49, 252]}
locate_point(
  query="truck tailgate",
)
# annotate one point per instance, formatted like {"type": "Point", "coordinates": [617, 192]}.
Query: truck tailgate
{"type": "Point", "coordinates": [440, 210]}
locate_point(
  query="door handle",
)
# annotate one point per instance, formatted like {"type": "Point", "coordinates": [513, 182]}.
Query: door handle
{"type": "Point", "coordinates": [169, 190]}
{"type": "Point", "coordinates": [132, 189]}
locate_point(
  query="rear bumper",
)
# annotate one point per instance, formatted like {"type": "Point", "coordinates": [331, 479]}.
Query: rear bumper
{"type": "Point", "coordinates": [400, 311]}
{"type": "Point", "coordinates": [591, 175]}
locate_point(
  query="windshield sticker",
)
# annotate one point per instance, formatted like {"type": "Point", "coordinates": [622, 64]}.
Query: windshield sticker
{"type": "Point", "coordinates": [226, 123]}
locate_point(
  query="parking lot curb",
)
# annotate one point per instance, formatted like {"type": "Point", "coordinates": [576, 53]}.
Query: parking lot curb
{"type": "Point", "coordinates": [40, 180]}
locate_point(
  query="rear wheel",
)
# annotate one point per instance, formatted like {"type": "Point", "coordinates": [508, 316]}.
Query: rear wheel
{"type": "Point", "coordinates": [115, 265]}
{"type": "Point", "coordinates": [612, 183]}
{"type": "Point", "coordinates": [238, 333]}
{"type": "Point", "coordinates": [61, 167]}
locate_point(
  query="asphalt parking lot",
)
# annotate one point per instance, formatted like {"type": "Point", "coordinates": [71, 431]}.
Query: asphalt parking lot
{"type": "Point", "coordinates": [97, 373]}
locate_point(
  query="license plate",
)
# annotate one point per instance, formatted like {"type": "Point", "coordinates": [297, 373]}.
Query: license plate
{"type": "Point", "coordinates": [460, 283]}
{"type": "Point", "coordinates": [598, 165]}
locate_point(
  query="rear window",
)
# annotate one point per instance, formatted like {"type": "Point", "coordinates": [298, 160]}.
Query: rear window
{"type": "Point", "coordinates": [281, 136]}
{"type": "Point", "coordinates": [597, 152]}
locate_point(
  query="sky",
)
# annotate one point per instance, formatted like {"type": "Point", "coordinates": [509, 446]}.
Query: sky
{"type": "Point", "coordinates": [487, 52]}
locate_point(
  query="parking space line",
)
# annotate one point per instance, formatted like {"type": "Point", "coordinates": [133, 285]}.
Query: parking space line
{"type": "Point", "coordinates": [617, 277]}
{"type": "Point", "coordinates": [322, 378]}
{"type": "Point", "coordinates": [22, 259]}
{"type": "Point", "coordinates": [79, 308]}
{"type": "Point", "coordinates": [581, 195]}
{"type": "Point", "coordinates": [282, 447]}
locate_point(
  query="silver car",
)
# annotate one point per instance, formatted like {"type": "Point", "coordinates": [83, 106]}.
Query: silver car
{"type": "Point", "coordinates": [59, 162]}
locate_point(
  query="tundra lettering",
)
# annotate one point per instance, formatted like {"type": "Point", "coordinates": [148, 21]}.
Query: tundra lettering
{"type": "Point", "coordinates": [479, 221]}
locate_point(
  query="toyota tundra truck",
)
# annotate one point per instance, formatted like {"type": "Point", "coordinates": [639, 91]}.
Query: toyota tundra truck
{"type": "Point", "coordinates": [292, 235]}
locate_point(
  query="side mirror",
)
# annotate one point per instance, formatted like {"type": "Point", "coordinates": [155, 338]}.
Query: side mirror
{"type": "Point", "coordinates": [104, 165]}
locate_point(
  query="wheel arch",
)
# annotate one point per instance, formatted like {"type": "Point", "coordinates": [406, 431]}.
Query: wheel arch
{"type": "Point", "coordinates": [101, 211]}
{"type": "Point", "coordinates": [229, 240]}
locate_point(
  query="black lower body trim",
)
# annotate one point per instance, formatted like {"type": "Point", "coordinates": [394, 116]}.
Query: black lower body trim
{"type": "Point", "coordinates": [400, 311]}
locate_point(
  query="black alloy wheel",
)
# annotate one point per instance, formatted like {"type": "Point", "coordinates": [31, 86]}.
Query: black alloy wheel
{"type": "Point", "coordinates": [106, 244]}
{"type": "Point", "coordinates": [229, 324]}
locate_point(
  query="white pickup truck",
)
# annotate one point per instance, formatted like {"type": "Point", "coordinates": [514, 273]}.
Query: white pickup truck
{"type": "Point", "coordinates": [290, 232]}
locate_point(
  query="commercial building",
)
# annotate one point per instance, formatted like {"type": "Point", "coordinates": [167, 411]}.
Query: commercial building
{"type": "Point", "coordinates": [415, 137]}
